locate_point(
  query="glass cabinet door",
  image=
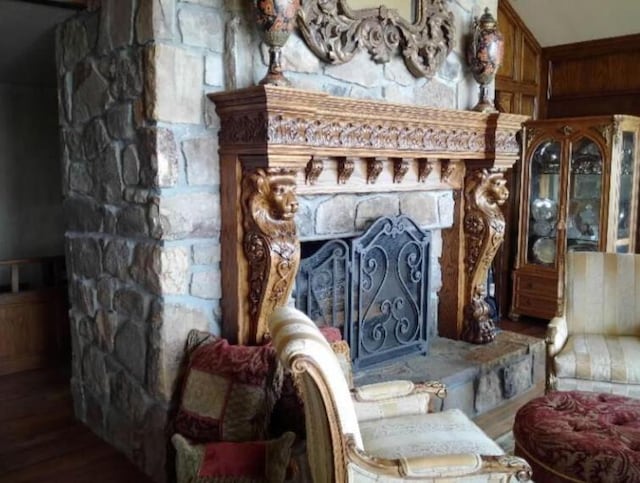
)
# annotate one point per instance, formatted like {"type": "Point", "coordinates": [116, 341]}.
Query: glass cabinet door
{"type": "Point", "coordinates": [626, 193]}
{"type": "Point", "coordinates": [544, 198]}
{"type": "Point", "coordinates": [585, 194]}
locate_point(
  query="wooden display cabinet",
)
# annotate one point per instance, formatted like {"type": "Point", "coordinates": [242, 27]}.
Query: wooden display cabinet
{"type": "Point", "coordinates": [579, 191]}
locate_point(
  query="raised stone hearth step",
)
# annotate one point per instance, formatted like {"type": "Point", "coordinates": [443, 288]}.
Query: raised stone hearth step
{"type": "Point", "coordinates": [478, 377]}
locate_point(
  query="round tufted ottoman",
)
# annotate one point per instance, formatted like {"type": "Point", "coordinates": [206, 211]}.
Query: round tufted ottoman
{"type": "Point", "coordinates": [580, 436]}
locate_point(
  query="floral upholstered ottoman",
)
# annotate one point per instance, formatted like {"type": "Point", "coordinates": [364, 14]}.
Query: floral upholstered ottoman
{"type": "Point", "coordinates": [580, 436]}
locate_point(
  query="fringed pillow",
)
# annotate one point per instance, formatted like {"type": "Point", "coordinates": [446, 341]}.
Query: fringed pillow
{"type": "Point", "coordinates": [230, 462]}
{"type": "Point", "coordinates": [228, 392]}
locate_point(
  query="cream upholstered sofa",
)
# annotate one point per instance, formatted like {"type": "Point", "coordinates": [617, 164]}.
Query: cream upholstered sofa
{"type": "Point", "coordinates": [595, 345]}
{"type": "Point", "coordinates": [411, 446]}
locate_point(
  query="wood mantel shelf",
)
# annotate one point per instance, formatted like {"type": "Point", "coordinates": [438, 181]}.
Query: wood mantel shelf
{"type": "Point", "coordinates": [276, 143]}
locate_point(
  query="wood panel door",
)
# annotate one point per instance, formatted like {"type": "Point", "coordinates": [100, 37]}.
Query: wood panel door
{"type": "Point", "coordinates": [518, 92]}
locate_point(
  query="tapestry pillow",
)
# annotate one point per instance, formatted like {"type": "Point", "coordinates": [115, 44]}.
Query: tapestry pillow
{"type": "Point", "coordinates": [232, 462]}
{"type": "Point", "coordinates": [228, 392]}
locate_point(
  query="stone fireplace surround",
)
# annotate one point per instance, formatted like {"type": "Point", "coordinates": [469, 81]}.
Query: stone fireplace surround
{"type": "Point", "coordinates": [277, 144]}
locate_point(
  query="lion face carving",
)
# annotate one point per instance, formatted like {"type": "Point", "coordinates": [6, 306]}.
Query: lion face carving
{"type": "Point", "coordinates": [497, 190]}
{"type": "Point", "coordinates": [281, 198]}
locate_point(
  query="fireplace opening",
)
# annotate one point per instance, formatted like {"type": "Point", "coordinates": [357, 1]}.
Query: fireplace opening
{"type": "Point", "coordinates": [374, 288]}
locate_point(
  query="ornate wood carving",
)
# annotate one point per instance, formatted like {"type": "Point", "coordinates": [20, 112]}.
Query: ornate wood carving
{"type": "Point", "coordinates": [424, 169]}
{"type": "Point", "coordinates": [269, 134]}
{"type": "Point", "coordinates": [374, 168]}
{"type": "Point", "coordinates": [345, 170]}
{"type": "Point", "coordinates": [447, 170]}
{"type": "Point", "coordinates": [270, 244]}
{"type": "Point", "coordinates": [335, 33]}
{"type": "Point", "coordinates": [313, 170]}
{"type": "Point", "coordinates": [484, 228]}
{"type": "Point", "coordinates": [400, 169]}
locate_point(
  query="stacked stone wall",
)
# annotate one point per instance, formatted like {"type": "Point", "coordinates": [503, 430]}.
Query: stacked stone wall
{"type": "Point", "coordinates": [142, 186]}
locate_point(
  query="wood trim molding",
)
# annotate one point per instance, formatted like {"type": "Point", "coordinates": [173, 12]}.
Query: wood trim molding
{"type": "Point", "coordinates": [277, 143]}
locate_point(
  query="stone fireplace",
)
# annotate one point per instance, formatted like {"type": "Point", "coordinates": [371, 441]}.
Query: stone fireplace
{"type": "Point", "coordinates": [152, 227]}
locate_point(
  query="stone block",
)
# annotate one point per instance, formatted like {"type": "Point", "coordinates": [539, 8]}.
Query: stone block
{"type": "Point", "coordinates": [452, 70]}
{"type": "Point", "coordinates": [214, 70]}
{"type": "Point", "coordinates": [396, 71]}
{"type": "Point", "coordinates": [155, 20]}
{"type": "Point", "coordinates": [489, 391]}
{"type": "Point", "coordinates": [336, 215]}
{"type": "Point", "coordinates": [91, 93]}
{"type": "Point", "coordinates": [146, 266]}
{"type": "Point", "coordinates": [206, 254]}
{"type": "Point", "coordinates": [94, 414]}
{"type": "Point", "coordinates": [120, 121]}
{"type": "Point", "coordinates": [370, 209]}
{"type": "Point", "coordinates": [117, 256]}
{"type": "Point", "coordinates": [190, 215]}
{"type": "Point", "coordinates": [82, 215]}
{"type": "Point", "coordinates": [201, 155]}
{"type": "Point", "coordinates": [175, 94]}
{"type": "Point", "coordinates": [116, 24]}
{"type": "Point", "coordinates": [154, 445]}
{"type": "Point", "coordinates": [132, 221]}
{"type": "Point", "coordinates": [206, 284]}
{"type": "Point", "coordinates": [131, 303]}
{"type": "Point", "coordinates": [94, 374]}
{"type": "Point", "coordinates": [130, 165]}
{"type": "Point", "coordinates": [80, 178]}
{"type": "Point", "coordinates": [436, 94]}
{"type": "Point", "coordinates": [175, 270]}
{"type": "Point", "coordinates": [359, 70]}
{"type": "Point", "coordinates": [95, 138]}
{"type": "Point", "coordinates": [421, 207]}
{"type": "Point", "coordinates": [74, 44]}
{"type": "Point", "coordinates": [125, 70]}
{"type": "Point", "coordinates": [105, 288]}
{"type": "Point", "coordinates": [169, 335]}
{"type": "Point", "coordinates": [128, 396]}
{"type": "Point", "coordinates": [131, 349]}
{"type": "Point", "coordinates": [517, 377]}
{"type": "Point", "coordinates": [107, 175]}
{"type": "Point", "coordinates": [107, 326]}
{"type": "Point", "coordinates": [305, 218]}
{"type": "Point", "coordinates": [202, 28]}
{"type": "Point", "coordinates": [297, 57]}
{"type": "Point", "coordinates": [86, 257]}
{"type": "Point", "coordinates": [446, 207]}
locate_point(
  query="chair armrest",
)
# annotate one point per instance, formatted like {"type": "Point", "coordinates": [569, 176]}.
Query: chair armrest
{"type": "Point", "coordinates": [399, 388]}
{"type": "Point", "coordinates": [557, 334]}
{"type": "Point", "coordinates": [465, 465]}
{"type": "Point", "coordinates": [409, 405]}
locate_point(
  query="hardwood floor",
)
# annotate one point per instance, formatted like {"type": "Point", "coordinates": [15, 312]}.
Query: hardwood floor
{"type": "Point", "coordinates": [40, 440]}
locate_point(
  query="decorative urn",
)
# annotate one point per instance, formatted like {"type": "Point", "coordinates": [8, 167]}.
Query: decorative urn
{"type": "Point", "coordinates": [276, 19]}
{"type": "Point", "coordinates": [484, 55]}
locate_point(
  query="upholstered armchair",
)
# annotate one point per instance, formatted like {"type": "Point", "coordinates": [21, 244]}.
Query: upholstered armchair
{"type": "Point", "coordinates": [595, 344]}
{"type": "Point", "coordinates": [420, 446]}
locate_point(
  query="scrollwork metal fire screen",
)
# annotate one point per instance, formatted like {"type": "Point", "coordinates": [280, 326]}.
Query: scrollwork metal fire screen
{"type": "Point", "coordinates": [375, 288]}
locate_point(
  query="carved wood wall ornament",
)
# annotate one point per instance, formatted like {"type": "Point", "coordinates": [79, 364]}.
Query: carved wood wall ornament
{"type": "Point", "coordinates": [374, 168]}
{"type": "Point", "coordinates": [271, 245]}
{"type": "Point", "coordinates": [424, 169]}
{"type": "Point", "coordinates": [484, 227]}
{"type": "Point", "coordinates": [335, 33]}
{"type": "Point", "coordinates": [345, 170]}
{"type": "Point", "coordinates": [400, 169]}
{"type": "Point", "coordinates": [313, 170]}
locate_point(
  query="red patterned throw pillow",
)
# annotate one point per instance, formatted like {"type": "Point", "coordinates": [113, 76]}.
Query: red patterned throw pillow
{"type": "Point", "coordinates": [248, 462]}
{"type": "Point", "coordinates": [228, 392]}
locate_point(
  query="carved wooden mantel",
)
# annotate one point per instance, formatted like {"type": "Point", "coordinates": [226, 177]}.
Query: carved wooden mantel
{"type": "Point", "coordinates": [276, 143]}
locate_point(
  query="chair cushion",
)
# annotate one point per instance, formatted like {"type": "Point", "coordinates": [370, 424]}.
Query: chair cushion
{"type": "Point", "coordinates": [228, 392]}
{"type": "Point", "coordinates": [600, 358]}
{"type": "Point", "coordinates": [246, 462]}
{"type": "Point", "coordinates": [447, 432]}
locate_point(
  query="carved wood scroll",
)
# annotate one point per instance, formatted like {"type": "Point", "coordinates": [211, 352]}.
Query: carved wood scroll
{"type": "Point", "coordinates": [335, 33]}
{"type": "Point", "coordinates": [484, 227]}
{"type": "Point", "coordinates": [277, 143]}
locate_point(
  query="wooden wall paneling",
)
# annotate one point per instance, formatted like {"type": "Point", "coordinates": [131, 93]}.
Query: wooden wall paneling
{"type": "Point", "coordinates": [597, 77]}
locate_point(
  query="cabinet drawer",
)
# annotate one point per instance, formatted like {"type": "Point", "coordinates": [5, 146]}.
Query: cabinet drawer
{"type": "Point", "coordinates": [535, 306]}
{"type": "Point", "coordinates": [542, 287]}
